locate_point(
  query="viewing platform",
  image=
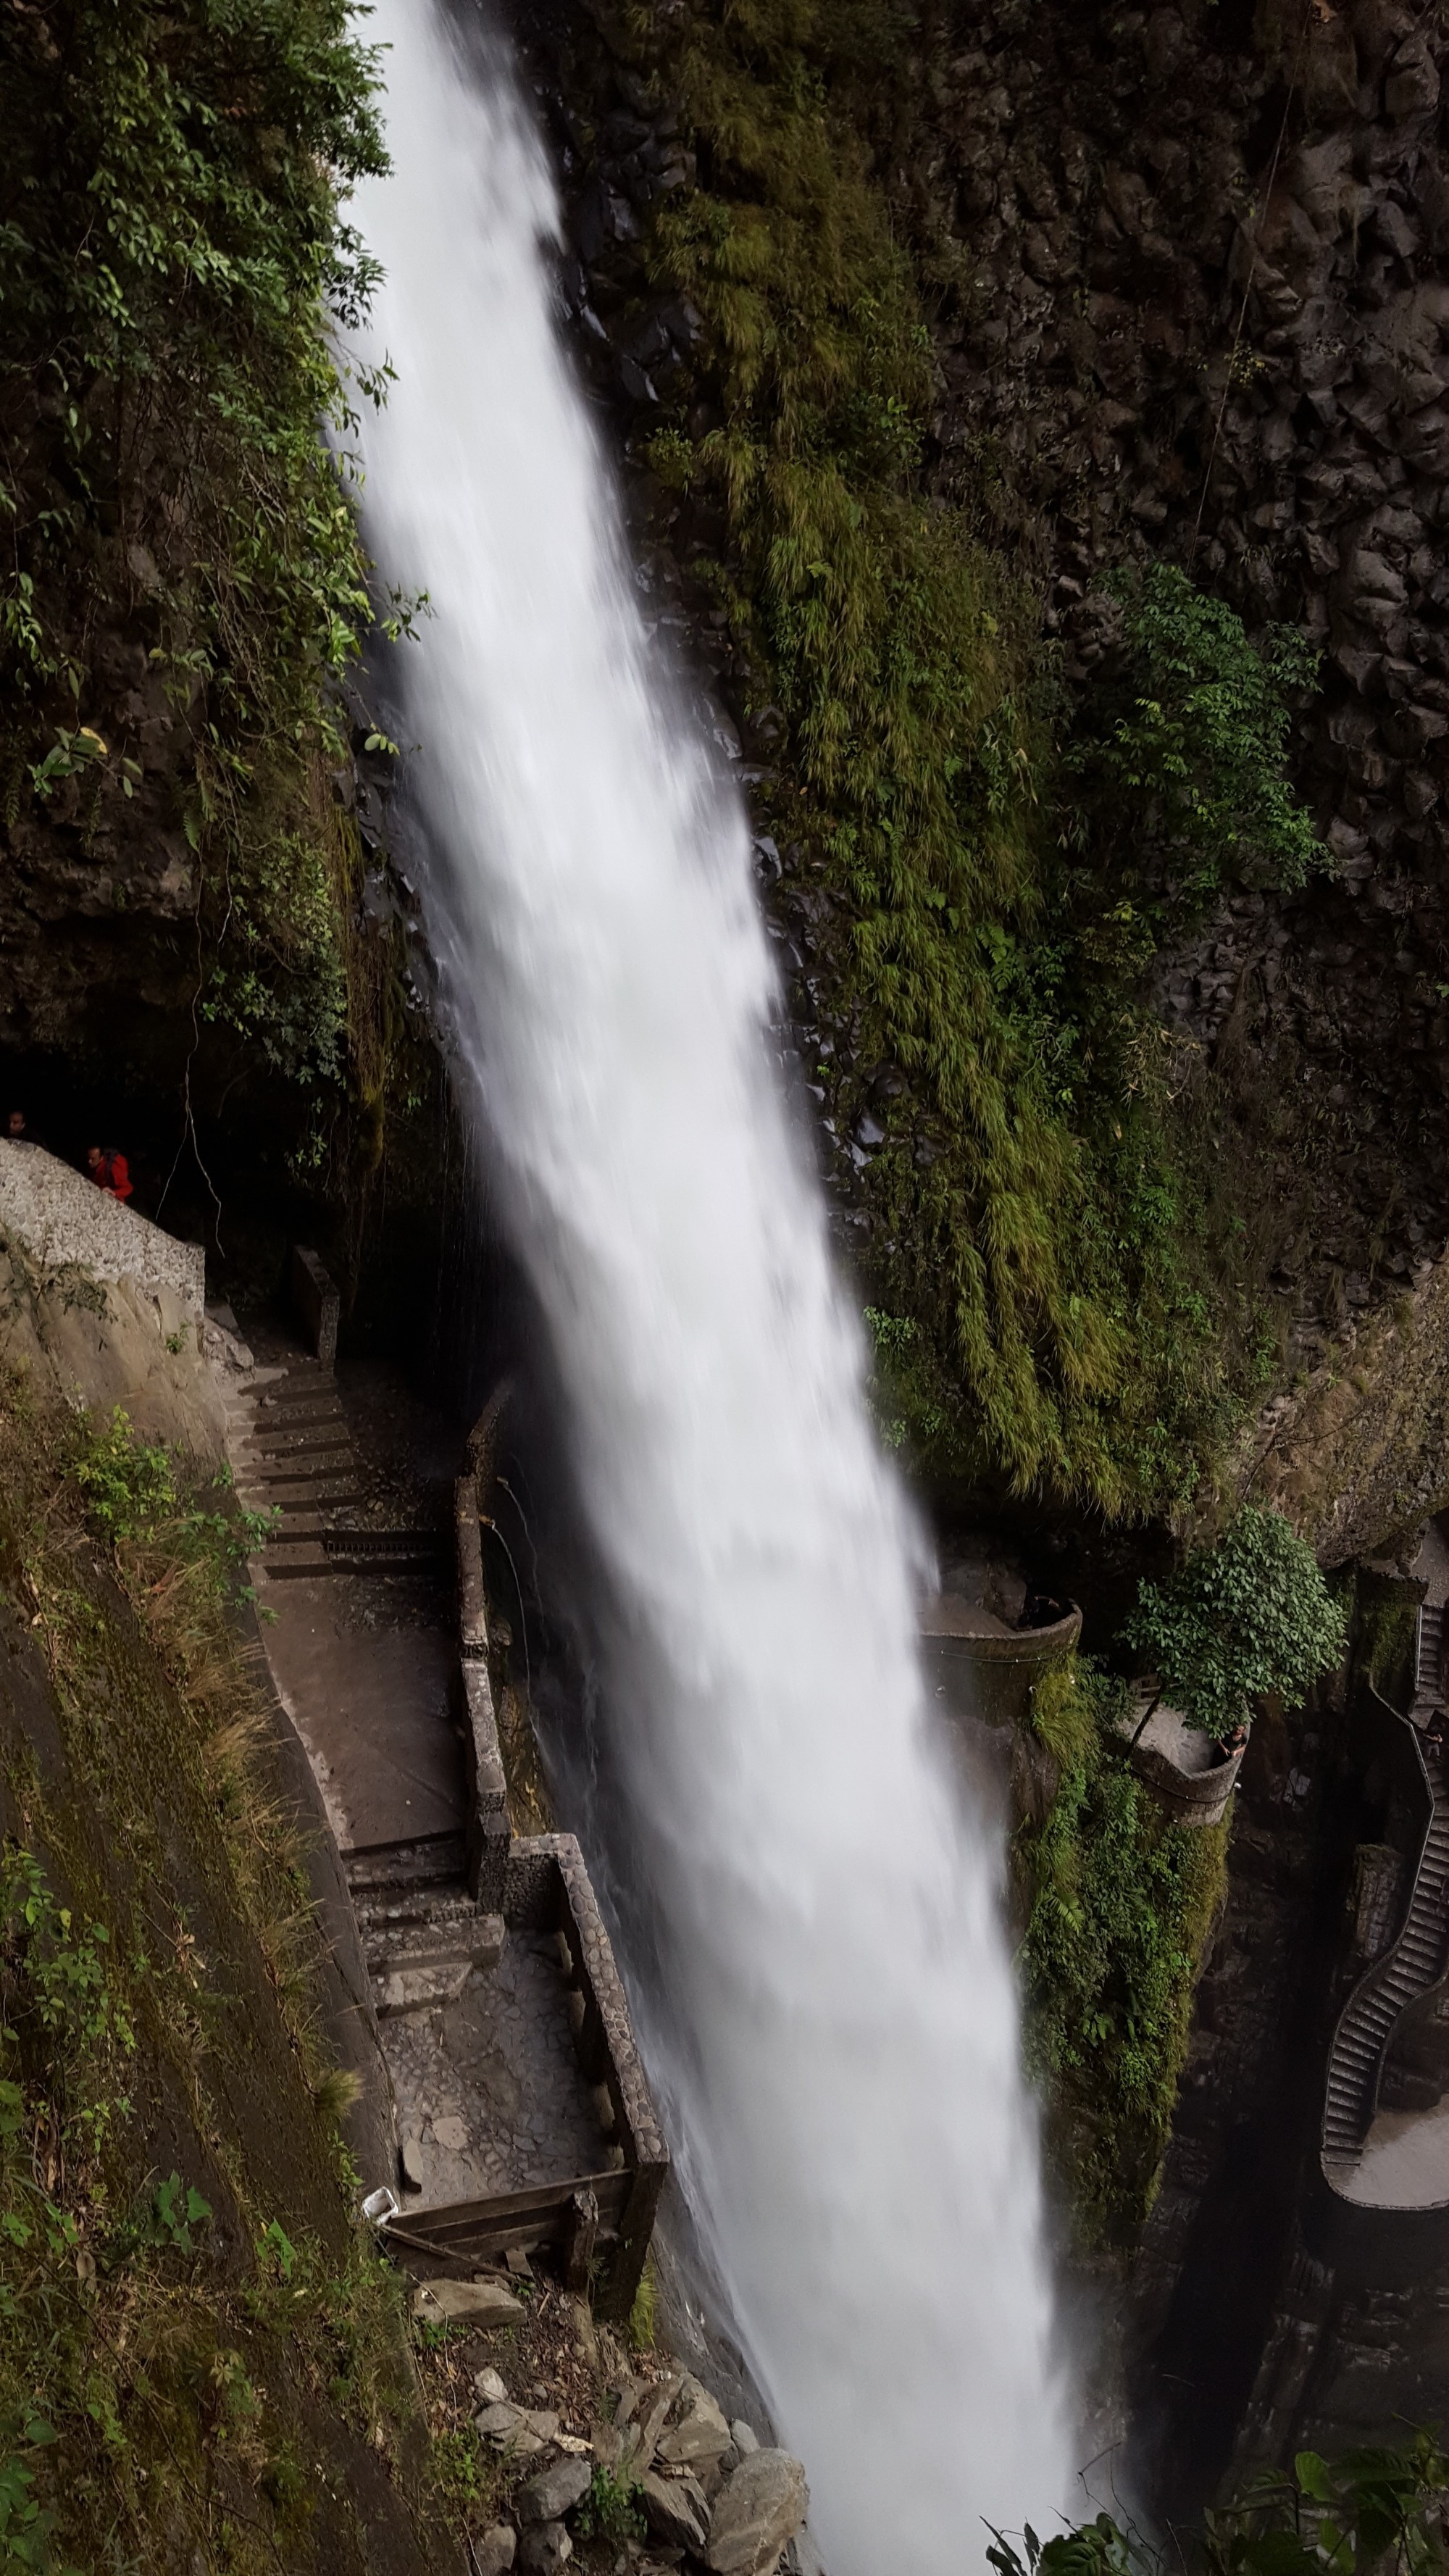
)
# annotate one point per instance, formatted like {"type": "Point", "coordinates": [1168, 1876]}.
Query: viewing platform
{"type": "Point", "coordinates": [523, 2118]}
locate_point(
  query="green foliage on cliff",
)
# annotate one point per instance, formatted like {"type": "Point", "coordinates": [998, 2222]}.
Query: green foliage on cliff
{"type": "Point", "coordinates": [1385, 1634]}
{"type": "Point", "coordinates": [1374, 2512]}
{"type": "Point", "coordinates": [1119, 1904]}
{"type": "Point", "coordinates": [1037, 1228]}
{"type": "Point", "coordinates": [201, 2360]}
{"type": "Point", "coordinates": [182, 576]}
{"type": "Point", "coordinates": [1248, 1616]}
{"type": "Point", "coordinates": [1187, 736]}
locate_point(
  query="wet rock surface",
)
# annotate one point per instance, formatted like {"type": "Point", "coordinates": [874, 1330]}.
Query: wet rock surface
{"type": "Point", "coordinates": [1189, 300]}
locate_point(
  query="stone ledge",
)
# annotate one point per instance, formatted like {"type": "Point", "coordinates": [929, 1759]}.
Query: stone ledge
{"type": "Point", "coordinates": [63, 1221]}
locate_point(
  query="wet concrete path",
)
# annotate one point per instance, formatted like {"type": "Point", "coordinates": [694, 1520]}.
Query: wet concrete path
{"type": "Point", "coordinates": [363, 1648]}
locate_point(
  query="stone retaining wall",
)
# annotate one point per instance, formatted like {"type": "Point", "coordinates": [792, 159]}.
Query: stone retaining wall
{"type": "Point", "coordinates": [486, 1829]}
{"type": "Point", "coordinates": [63, 1221]}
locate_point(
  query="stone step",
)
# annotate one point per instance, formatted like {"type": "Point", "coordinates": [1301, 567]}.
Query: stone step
{"type": "Point", "coordinates": [299, 1423]}
{"type": "Point", "coordinates": [409, 1990]}
{"type": "Point", "coordinates": [286, 1457]}
{"type": "Point", "coordinates": [433, 1860]}
{"type": "Point", "coordinates": [474, 1943]}
{"type": "Point", "coordinates": [387, 1912]}
{"type": "Point", "coordinates": [320, 1461]}
{"type": "Point", "coordinates": [296, 1561]}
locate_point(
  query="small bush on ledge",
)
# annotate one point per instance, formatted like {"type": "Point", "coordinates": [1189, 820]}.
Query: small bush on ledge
{"type": "Point", "coordinates": [1250, 1616]}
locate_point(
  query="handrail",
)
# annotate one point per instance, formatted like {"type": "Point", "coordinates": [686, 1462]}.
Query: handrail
{"type": "Point", "coordinates": [1380, 1969]}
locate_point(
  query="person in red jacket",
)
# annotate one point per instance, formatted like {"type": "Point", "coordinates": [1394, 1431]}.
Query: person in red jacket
{"type": "Point", "coordinates": [108, 1171]}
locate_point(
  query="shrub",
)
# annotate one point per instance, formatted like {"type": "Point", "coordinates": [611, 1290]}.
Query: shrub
{"type": "Point", "coordinates": [611, 2510]}
{"type": "Point", "coordinates": [1248, 1616]}
{"type": "Point", "coordinates": [1379, 2508]}
{"type": "Point", "coordinates": [1188, 738]}
{"type": "Point", "coordinates": [1119, 1904]}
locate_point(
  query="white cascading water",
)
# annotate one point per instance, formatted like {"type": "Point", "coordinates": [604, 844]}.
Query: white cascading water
{"type": "Point", "coordinates": [838, 2047]}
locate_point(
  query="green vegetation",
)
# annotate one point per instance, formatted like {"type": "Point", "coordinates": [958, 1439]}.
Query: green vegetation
{"type": "Point", "coordinates": [171, 247]}
{"type": "Point", "coordinates": [200, 2357]}
{"type": "Point", "coordinates": [612, 2510]}
{"type": "Point", "coordinates": [1046, 1239]}
{"type": "Point", "coordinates": [643, 2313]}
{"type": "Point", "coordinates": [1118, 1904]}
{"type": "Point", "coordinates": [1188, 735]}
{"type": "Point", "coordinates": [1385, 1633]}
{"type": "Point", "coordinates": [1248, 1616]}
{"type": "Point", "coordinates": [1375, 2512]}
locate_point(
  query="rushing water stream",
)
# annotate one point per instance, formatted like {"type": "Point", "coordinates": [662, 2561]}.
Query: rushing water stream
{"type": "Point", "coordinates": [832, 2028]}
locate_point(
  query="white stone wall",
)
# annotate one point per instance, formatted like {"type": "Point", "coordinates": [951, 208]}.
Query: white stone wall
{"type": "Point", "coordinates": [58, 1215]}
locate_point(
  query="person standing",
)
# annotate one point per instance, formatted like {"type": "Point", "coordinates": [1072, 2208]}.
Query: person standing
{"type": "Point", "coordinates": [108, 1169]}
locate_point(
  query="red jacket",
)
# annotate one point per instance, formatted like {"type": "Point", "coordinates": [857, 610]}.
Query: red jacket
{"type": "Point", "coordinates": [111, 1175]}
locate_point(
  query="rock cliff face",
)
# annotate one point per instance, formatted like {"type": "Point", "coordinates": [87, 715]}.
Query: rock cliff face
{"type": "Point", "coordinates": [1203, 313]}
{"type": "Point", "coordinates": [1185, 272]}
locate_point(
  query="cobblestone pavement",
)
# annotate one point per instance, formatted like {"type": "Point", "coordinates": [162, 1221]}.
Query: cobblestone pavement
{"type": "Point", "coordinates": [490, 2096]}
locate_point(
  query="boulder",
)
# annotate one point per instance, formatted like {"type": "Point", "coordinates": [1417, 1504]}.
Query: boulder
{"type": "Point", "coordinates": [554, 2491]}
{"type": "Point", "coordinates": [484, 2304]}
{"type": "Point", "coordinates": [489, 2389]}
{"type": "Point", "coordinates": [511, 2428]}
{"type": "Point", "coordinates": [544, 2547]}
{"type": "Point", "coordinates": [671, 2512]}
{"type": "Point", "coordinates": [756, 2513]}
{"type": "Point", "coordinates": [647, 2421]}
{"type": "Point", "coordinates": [493, 2554]}
{"type": "Point", "coordinates": [696, 2433]}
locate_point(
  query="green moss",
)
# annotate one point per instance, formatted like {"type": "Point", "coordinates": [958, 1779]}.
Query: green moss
{"type": "Point", "coordinates": [1384, 1634]}
{"type": "Point", "coordinates": [213, 2355]}
{"type": "Point", "coordinates": [1119, 1905]}
{"type": "Point", "coordinates": [1074, 1310]}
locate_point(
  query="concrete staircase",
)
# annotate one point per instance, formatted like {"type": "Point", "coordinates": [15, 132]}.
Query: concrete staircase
{"type": "Point", "coordinates": [422, 1935]}
{"type": "Point", "coordinates": [295, 1455]}
{"type": "Point", "coordinates": [1429, 1662]}
{"type": "Point", "coordinates": [1415, 1962]}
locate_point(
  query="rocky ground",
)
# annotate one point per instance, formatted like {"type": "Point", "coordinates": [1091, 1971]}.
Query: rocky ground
{"type": "Point", "coordinates": [566, 2444]}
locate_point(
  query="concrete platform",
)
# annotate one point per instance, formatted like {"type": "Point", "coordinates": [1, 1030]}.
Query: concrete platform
{"type": "Point", "coordinates": [493, 2092]}
{"type": "Point", "coordinates": [366, 1677]}
{"type": "Point", "coordinates": [1404, 2163]}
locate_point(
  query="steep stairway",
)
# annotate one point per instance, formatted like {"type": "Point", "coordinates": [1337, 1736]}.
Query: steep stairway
{"type": "Point", "coordinates": [421, 1932]}
{"type": "Point", "coordinates": [1415, 1962]}
{"type": "Point", "coordinates": [295, 1455]}
{"type": "Point", "coordinates": [1429, 1661]}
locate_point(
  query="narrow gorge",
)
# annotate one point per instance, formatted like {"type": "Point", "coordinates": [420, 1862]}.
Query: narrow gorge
{"type": "Point", "coordinates": [725, 1219]}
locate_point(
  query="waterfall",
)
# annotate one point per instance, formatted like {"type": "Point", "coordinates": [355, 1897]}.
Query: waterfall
{"type": "Point", "coordinates": [830, 2020]}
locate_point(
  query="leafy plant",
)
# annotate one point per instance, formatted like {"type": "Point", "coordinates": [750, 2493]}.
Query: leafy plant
{"type": "Point", "coordinates": [643, 2314]}
{"type": "Point", "coordinates": [27, 2532]}
{"type": "Point", "coordinates": [612, 2510]}
{"type": "Point", "coordinates": [177, 2209]}
{"type": "Point", "coordinates": [1118, 1905]}
{"type": "Point", "coordinates": [133, 1499]}
{"type": "Point", "coordinates": [177, 281]}
{"type": "Point", "coordinates": [1249, 1616]}
{"type": "Point", "coordinates": [62, 2011]}
{"type": "Point", "coordinates": [1177, 766]}
{"type": "Point", "coordinates": [1377, 2509]}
